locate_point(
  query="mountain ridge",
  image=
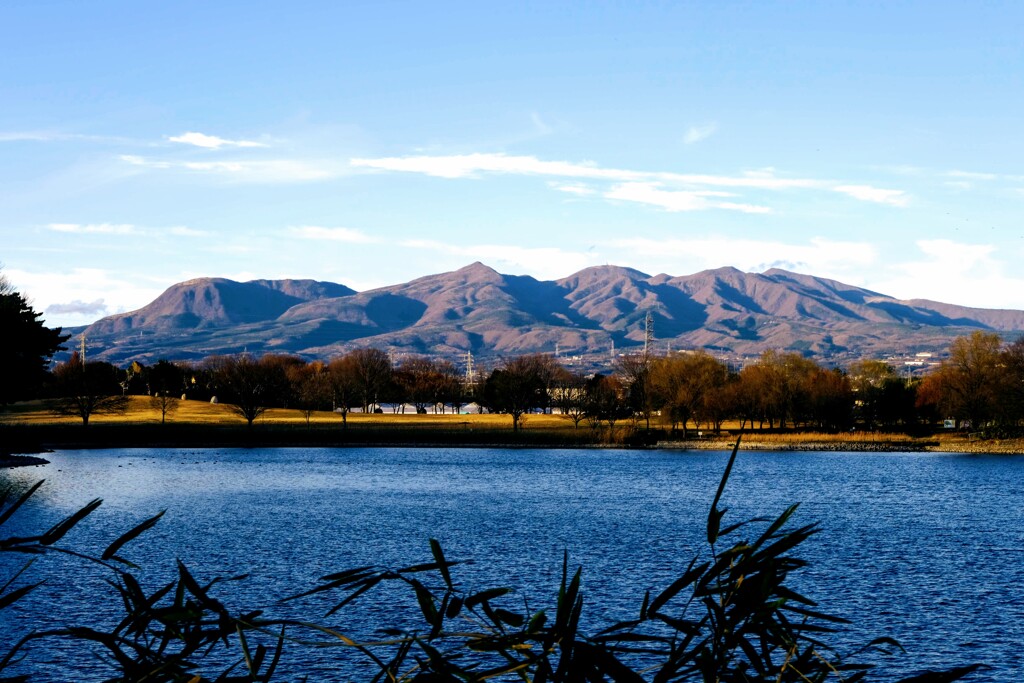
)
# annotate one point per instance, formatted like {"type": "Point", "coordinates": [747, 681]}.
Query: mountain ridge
{"type": "Point", "coordinates": [477, 309]}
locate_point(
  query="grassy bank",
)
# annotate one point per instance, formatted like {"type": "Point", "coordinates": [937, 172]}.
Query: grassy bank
{"type": "Point", "coordinates": [32, 427]}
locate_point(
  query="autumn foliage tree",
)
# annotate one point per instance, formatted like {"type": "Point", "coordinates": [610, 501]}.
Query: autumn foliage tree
{"type": "Point", "coordinates": [684, 387]}
{"type": "Point", "coordinates": [967, 386]}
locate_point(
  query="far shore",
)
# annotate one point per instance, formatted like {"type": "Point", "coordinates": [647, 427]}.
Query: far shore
{"type": "Point", "coordinates": [29, 430]}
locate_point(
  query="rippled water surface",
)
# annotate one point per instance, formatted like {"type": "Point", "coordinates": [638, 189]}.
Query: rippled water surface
{"type": "Point", "coordinates": [925, 548]}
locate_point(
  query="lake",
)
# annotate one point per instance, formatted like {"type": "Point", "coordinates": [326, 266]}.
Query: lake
{"type": "Point", "coordinates": [925, 548]}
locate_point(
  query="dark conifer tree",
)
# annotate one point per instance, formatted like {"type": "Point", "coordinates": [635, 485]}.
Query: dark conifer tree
{"type": "Point", "coordinates": [26, 346]}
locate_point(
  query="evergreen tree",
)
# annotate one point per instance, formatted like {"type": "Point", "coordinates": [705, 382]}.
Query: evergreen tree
{"type": "Point", "coordinates": [26, 346]}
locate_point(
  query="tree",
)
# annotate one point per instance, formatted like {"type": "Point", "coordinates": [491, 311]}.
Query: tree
{"type": "Point", "coordinates": [164, 382]}
{"type": "Point", "coordinates": [966, 385]}
{"type": "Point", "coordinates": [518, 386]}
{"type": "Point", "coordinates": [1011, 390]}
{"type": "Point", "coordinates": [87, 389]}
{"type": "Point", "coordinates": [371, 372]}
{"type": "Point", "coordinates": [163, 401]}
{"type": "Point", "coordinates": [344, 385]}
{"type": "Point", "coordinates": [882, 397]}
{"type": "Point", "coordinates": [683, 384]}
{"type": "Point", "coordinates": [26, 346]}
{"type": "Point", "coordinates": [570, 396]}
{"type": "Point", "coordinates": [635, 370]}
{"type": "Point", "coordinates": [310, 387]}
{"type": "Point", "coordinates": [605, 401]}
{"type": "Point", "coordinates": [830, 399]}
{"type": "Point", "coordinates": [248, 385]}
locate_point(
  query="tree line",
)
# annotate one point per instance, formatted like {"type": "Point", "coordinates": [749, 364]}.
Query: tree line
{"type": "Point", "coordinates": [980, 387]}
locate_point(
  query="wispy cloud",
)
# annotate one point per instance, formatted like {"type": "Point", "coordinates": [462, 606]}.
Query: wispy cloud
{"type": "Point", "coordinates": [695, 134]}
{"type": "Point", "coordinates": [78, 307]}
{"type": "Point", "coordinates": [94, 228]}
{"type": "Point", "coordinates": [316, 232]}
{"type": "Point", "coordinates": [668, 190]}
{"type": "Point", "coordinates": [539, 124]}
{"type": "Point", "coordinates": [185, 231]}
{"type": "Point", "coordinates": [472, 165]}
{"type": "Point", "coordinates": [678, 200]}
{"type": "Point", "coordinates": [867, 193]}
{"type": "Point", "coordinates": [212, 141]}
{"type": "Point", "coordinates": [57, 136]}
{"type": "Point", "coordinates": [972, 175]}
{"type": "Point", "coordinates": [248, 171]}
{"type": "Point", "coordinates": [579, 189]}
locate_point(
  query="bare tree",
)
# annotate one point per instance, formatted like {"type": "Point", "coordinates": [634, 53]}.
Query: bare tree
{"type": "Point", "coordinates": [635, 370]}
{"type": "Point", "coordinates": [163, 401]}
{"type": "Point", "coordinates": [570, 396]}
{"type": "Point", "coordinates": [250, 386]}
{"type": "Point", "coordinates": [344, 386]}
{"type": "Point", "coordinates": [87, 389]}
{"type": "Point", "coordinates": [311, 387]}
{"type": "Point", "coordinates": [371, 371]}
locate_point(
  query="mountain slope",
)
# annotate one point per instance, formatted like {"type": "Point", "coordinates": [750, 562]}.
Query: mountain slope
{"type": "Point", "coordinates": [217, 302]}
{"type": "Point", "coordinates": [480, 310]}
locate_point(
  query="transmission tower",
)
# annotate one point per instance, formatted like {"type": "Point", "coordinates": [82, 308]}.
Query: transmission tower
{"type": "Point", "coordinates": [469, 368]}
{"type": "Point", "coordinates": [648, 334]}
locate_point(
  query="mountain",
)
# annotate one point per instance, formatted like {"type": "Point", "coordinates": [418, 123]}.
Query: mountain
{"type": "Point", "coordinates": [477, 309]}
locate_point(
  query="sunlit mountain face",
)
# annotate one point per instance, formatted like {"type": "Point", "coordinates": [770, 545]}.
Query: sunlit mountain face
{"type": "Point", "coordinates": [592, 314]}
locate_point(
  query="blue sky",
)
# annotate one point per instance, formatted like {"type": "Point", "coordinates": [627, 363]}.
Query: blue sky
{"type": "Point", "coordinates": [142, 144]}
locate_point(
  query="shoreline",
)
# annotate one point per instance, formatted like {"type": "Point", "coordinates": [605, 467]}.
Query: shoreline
{"type": "Point", "coordinates": [24, 445]}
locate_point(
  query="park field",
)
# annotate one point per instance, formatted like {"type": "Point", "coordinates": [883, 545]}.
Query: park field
{"type": "Point", "coordinates": [33, 426]}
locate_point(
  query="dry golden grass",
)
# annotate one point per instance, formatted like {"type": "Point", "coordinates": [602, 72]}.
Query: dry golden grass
{"type": "Point", "coordinates": [141, 411]}
{"type": "Point", "coordinates": [204, 414]}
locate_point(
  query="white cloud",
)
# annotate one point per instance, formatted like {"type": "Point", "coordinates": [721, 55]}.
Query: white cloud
{"type": "Point", "coordinates": [678, 200]}
{"type": "Point", "coordinates": [841, 260]}
{"type": "Point", "coordinates": [212, 141]}
{"type": "Point", "coordinates": [961, 273]}
{"type": "Point", "coordinates": [257, 171]}
{"type": "Point", "coordinates": [50, 289]}
{"type": "Point", "coordinates": [94, 228]}
{"type": "Point", "coordinates": [185, 231]}
{"type": "Point", "coordinates": [573, 188]}
{"type": "Point", "coordinates": [316, 232]}
{"type": "Point", "coordinates": [867, 193]}
{"type": "Point", "coordinates": [668, 190]}
{"type": "Point", "coordinates": [471, 165]}
{"type": "Point", "coordinates": [697, 133]}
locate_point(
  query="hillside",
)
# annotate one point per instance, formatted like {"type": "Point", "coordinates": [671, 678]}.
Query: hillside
{"type": "Point", "coordinates": [478, 309]}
